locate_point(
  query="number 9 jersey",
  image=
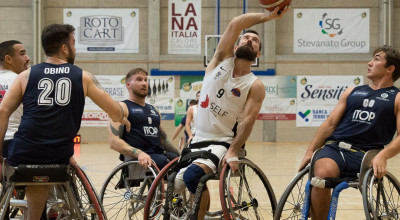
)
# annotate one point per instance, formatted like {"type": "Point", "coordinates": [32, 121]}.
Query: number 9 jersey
{"type": "Point", "coordinates": [53, 105]}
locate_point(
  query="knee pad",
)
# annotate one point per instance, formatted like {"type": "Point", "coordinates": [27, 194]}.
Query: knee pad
{"type": "Point", "coordinates": [192, 176]}
{"type": "Point", "coordinates": [179, 184]}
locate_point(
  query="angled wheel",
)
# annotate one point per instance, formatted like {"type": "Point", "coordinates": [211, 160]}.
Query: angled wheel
{"type": "Point", "coordinates": [381, 197]}
{"type": "Point", "coordinates": [154, 208]}
{"type": "Point", "coordinates": [60, 206]}
{"type": "Point", "coordinates": [125, 190]}
{"type": "Point", "coordinates": [291, 201]}
{"type": "Point", "coordinates": [246, 193]}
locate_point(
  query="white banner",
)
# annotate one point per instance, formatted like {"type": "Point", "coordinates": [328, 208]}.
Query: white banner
{"type": "Point", "coordinates": [114, 85]}
{"type": "Point", "coordinates": [280, 98]}
{"type": "Point", "coordinates": [331, 30]}
{"type": "Point", "coordinates": [104, 30]}
{"type": "Point", "coordinates": [317, 96]}
{"type": "Point", "coordinates": [184, 27]}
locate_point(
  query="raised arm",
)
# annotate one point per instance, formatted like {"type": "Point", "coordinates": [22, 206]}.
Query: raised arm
{"type": "Point", "coordinates": [225, 46]}
{"type": "Point", "coordinates": [94, 90]}
{"type": "Point", "coordinates": [115, 133]}
{"type": "Point", "coordinates": [326, 128]}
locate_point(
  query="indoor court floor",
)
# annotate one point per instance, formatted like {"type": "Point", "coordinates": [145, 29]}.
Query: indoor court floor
{"type": "Point", "coordinates": [279, 161]}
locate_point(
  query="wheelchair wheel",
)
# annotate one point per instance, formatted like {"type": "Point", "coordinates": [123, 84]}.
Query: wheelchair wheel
{"type": "Point", "coordinates": [59, 206]}
{"type": "Point", "coordinates": [125, 190]}
{"type": "Point", "coordinates": [291, 201]}
{"type": "Point", "coordinates": [247, 193]}
{"type": "Point", "coordinates": [155, 200]}
{"type": "Point", "coordinates": [381, 197]}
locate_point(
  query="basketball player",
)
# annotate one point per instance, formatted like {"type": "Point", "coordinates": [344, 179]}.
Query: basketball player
{"type": "Point", "coordinates": [13, 60]}
{"type": "Point", "coordinates": [366, 117]}
{"type": "Point", "coordinates": [230, 96]}
{"type": "Point", "coordinates": [53, 94]}
{"type": "Point", "coordinates": [191, 115]}
{"type": "Point", "coordinates": [147, 140]}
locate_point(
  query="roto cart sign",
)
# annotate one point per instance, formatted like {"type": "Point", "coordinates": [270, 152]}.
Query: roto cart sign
{"type": "Point", "coordinates": [101, 30]}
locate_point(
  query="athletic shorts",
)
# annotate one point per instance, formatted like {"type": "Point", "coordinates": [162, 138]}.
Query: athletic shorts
{"type": "Point", "coordinates": [349, 162]}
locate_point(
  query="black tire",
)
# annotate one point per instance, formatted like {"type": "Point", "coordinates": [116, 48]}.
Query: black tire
{"type": "Point", "coordinates": [247, 193]}
{"type": "Point", "coordinates": [381, 197]}
{"type": "Point", "coordinates": [291, 201]}
{"type": "Point", "coordinates": [123, 195]}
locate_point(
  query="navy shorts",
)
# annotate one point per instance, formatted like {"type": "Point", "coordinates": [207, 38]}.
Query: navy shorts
{"type": "Point", "coordinates": [162, 159]}
{"type": "Point", "coordinates": [349, 162]}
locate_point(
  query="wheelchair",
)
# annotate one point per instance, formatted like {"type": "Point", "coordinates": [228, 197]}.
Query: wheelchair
{"type": "Point", "coordinates": [126, 188]}
{"type": "Point", "coordinates": [244, 194]}
{"type": "Point", "coordinates": [72, 196]}
{"type": "Point", "coordinates": [381, 197]}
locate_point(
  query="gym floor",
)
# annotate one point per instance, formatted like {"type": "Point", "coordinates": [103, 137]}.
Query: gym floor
{"type": "Point", "coordinates": [279, 161]}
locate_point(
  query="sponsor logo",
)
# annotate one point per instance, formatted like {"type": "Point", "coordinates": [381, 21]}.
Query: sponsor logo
{"type": "Point", "coordinates": [95, 116]}
{"type": "Point", "coordinates": [101, 30]}
{"type": "Point", "coordinates": [150, 131]}
{"type": "Point", "coordinates": [236, 92]}
{"type": "Point", "coordinates": [363, 116]}
{"type": "Point", "coordinates": [153, 112]}
{"type": "Point", "coordinates": [383, 97]}
{"type": "Point", "coordinates": [204, 104]}
{"type": "Point", "coordinates": [330, 26]}
{"type": "Point", "coordinates": [217, 110]}
{"type": "Point", "coordinates": [360, 93]}
{"type": "Point", "coordinates": [304, 115]}
{"type": "Point", "coordinates": [217, 74]}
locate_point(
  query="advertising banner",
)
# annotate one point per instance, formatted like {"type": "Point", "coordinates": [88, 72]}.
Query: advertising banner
{"type": "Point", "coordinates": [331, 30]}
{"type": "Point", "coordinates": [280, 98]}
{"type": "Point", "coordinates": [184, 27]}
{"type": "Point", "coordinates": [104, 30]}
{"type": "Point", "coordinates": [317, 96]}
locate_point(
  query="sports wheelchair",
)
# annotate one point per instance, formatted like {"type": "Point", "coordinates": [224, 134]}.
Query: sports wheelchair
{"type": "Point", "coordinates": [244, 194]}
{"type": "Point", "coordinates": [381, 197]}
{"type": "Point", "coordinates": [72, 196]}
{"type": "Point", "coordinates": [125, 190]}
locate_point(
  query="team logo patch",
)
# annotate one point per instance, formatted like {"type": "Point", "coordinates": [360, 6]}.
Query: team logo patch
{"type": "Point", "coordinates": [236, 92]}
{"type": "Point", "coordinates": [150, 121]}
{"type": "Point", "coordinates": [217, 75]}
{"type": "Point", "coordinates": [205, 103]}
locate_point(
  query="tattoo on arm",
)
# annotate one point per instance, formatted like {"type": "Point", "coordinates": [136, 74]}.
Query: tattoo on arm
{"type": "Point", "coordinates": [134, 152]}
{"type": "Point", "coordinates": [95, 81]}
{"type": "Point", "coordinates": [117, 132]}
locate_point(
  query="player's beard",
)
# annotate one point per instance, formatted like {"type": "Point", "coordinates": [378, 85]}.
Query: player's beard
{"type": "Point", "coordinates": [71, 56]}
{"type": "Point", "coordinates": [245, 52]}
{"type": "Point", "coordinates": [140, 94]}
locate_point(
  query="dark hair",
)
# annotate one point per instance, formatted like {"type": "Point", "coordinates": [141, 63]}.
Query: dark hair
{"type": "Point", "coordinates": [7, 48]}
{"type": "Point", "coordinates": [253, 32]}
{"type": "Point", "coordinates": [392, 58]}
{"type": "Point", "coordinates": [54, 36]}
{"type": "Point", "coordinates": [134, 72]}
{"type": "Point", "coordinates": [193, 102]}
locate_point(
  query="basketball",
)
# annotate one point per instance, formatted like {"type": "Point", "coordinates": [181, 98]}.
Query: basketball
{"type": "Point", "coordinates": [270, 5]}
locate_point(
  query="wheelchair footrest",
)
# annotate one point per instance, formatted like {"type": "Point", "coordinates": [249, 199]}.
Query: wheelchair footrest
{"type": "Point", "coordinates": [18, 203]}
{"type": "Point", "coordinates": [329, 182]}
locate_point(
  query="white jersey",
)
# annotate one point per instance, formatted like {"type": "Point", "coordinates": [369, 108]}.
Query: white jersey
{"type": "Point", "coordinates": [193, 122]}
{"type": "Point", "coordinates": [7, 77]}
{"type": "Point", "coordinates": [221, 103]}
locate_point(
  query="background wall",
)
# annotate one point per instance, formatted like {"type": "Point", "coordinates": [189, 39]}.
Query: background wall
{"type": "Point", "coordinates": [17, 23]}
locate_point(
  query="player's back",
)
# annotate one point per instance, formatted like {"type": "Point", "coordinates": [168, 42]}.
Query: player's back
{"type": "Point", "coordinates": [53, 106]}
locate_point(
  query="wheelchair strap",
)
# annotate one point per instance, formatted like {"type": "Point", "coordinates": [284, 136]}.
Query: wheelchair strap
{"type": "Point", "coordinates": [189, 157]}
{"type": "Point", "coordinates": [208, 143]}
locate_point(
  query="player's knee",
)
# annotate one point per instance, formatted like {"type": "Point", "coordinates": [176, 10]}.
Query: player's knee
{"type": "Point", "coordinates": [192, 176]}
{"type": "Point", "coordinates": [179, 184]}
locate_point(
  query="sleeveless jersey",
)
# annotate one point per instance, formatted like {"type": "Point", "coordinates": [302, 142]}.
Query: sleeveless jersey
{"type": "Point", "coordinates": [7, 77]}
{"type": "Point", "coordinates": [193, 122]}
{"type": "Point", "coordinates": [221, 103]}
{"type": "Point", "coordinates": [145, 124]}
{"type": "Point", "coordinates": [53, 106]}
{"type": "Point", "coordinates": [369, 121]}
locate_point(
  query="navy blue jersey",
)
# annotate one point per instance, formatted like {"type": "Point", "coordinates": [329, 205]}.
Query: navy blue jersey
{"type": "Point", "coordinates": [369, 120]}
{"type": "Point", "coordinates": [145, 125]}
{"type": "Point", "coordinates": [53, 106]}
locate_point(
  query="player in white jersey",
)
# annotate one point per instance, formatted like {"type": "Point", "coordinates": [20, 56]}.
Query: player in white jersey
{"type": "Point", "coordinates": [231, 96]}
{"type": "Point", "coordinates": [13, 60]}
